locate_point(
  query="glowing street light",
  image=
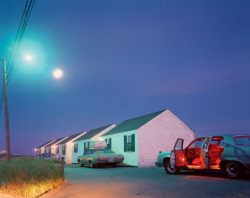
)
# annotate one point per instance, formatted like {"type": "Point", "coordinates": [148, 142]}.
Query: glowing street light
{"type": "Point", "coordinates": [57, 73]}
{"type": "Point", "coordinates": [28, 57]}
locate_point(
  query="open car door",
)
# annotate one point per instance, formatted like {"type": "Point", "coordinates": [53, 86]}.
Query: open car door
{"type": "Point", "coordinates": [204, 156]}
{"type": "Point", "coordinates": [177, 155]}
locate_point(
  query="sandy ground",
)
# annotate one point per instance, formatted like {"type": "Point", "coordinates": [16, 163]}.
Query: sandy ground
{"type": "Point", "coordinates": [146, 182]}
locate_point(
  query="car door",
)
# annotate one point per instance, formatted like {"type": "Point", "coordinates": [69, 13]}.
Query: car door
{"type": "Point", "coordinates": [85, 157]}
{"type": "Point", "coordinates": [204, 156]}
{"type": "Point", "coordinates": [177, 155]}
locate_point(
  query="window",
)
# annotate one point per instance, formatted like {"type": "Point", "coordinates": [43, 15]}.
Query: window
{"type": "Point", "coordinates": [108, 143]}
{"type": "Point", "coordinates": [63, 149]}
{"type": "Point", "coordinates": [57, 149]}
{"type": "Point", "coordinates": [242, 140]}
{"type": "Point", "coordinates": [49, 150]}
{"type": "Point", "coordinates": [39, 150]}
{"type": "Point", "coordinates": [86, 146]}
{"type": "Point", "coordinates": [197, 143]}
{"type": "Point", "coordinates": [129, 143]}
{"type": "Point", "coordinates": [75, 148]}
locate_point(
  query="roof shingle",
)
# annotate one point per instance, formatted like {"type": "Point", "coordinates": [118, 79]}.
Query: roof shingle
{"type": "Point", "coordinates": [133, 124]}
{"type": "Point", "coordinates": [44, 144]}
{"type": "Point", "coordinates": [54, 142]}
{"type": "Point", "coordinates": [92, 133]}
{"type": "Point", "coordinates": [69, 138]}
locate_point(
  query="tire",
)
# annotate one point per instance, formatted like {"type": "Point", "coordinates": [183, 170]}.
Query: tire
{"type": "Point", "coordinates": [233, 170]}
{"type": "Point", "coordinates": [113, 165]}
{"type": "Point", "coordinates": [170, 170]}
{"type": "Point", "coordinates": [81, 164]}
{"type": "Point", "coordinates": [92, 165]}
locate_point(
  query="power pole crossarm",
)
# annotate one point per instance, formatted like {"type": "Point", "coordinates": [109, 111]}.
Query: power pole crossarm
{"type": "Point", "coordinates": [6, 111]}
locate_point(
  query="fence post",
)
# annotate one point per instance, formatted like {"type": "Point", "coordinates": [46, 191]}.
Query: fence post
{"type": "Point", "coordinates": [63, 168]}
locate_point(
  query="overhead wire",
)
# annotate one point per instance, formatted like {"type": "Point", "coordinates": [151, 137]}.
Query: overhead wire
{"type": "Point", "coordinates": [27, 16]}
{"type": "Point", "coordinates": [19, 36]}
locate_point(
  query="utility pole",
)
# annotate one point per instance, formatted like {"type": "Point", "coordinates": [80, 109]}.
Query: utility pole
{"type": "Point", "coordinates": [6, 112]}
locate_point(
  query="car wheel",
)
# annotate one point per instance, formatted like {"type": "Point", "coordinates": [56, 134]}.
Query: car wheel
{"type": "Point", "coordinates": [92, 165]}
{"type": "Point", "coordinates": [81, 164]}
{"type": "Point", "coordinates": [170, 170]}
{"type": "Point", "coordinates": [113, 165]}
{"type": "Point", "coordinates": [233, 169]}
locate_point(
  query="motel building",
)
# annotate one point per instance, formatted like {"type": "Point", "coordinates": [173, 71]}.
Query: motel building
{"type": "Point", "coordinates": [81, 144]}
{"type": "Point", "coordinates": [140, 139]}
{"type": "Point", "coordinates": [41, 149]}
{"type": "Point", "coordinates": [64, 148]}
{"type": "Point", "coordinates": [51, 147]}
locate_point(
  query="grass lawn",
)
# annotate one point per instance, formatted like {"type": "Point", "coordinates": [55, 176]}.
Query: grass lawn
{"type": "Point", "coordinates": [29, 177]}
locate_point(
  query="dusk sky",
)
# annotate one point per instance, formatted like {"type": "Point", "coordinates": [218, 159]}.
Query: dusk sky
{"type": "Point", "coordinates": [123, 59]}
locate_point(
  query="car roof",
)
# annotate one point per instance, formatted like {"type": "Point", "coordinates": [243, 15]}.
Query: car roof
{"type": "Point", "coordinates": [223, 135]}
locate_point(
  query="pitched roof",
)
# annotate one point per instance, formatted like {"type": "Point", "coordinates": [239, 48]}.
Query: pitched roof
{"type": "Point", "coordinates": [69, 138]}
{"type": "Point", "coordinates": [92, 133]}
{"type": "Point", "coordinates": [54, 142]}
{"type": "Point", "coordinates": [45, 144]}
{"type": "Point", "coordinates": [133, 124]}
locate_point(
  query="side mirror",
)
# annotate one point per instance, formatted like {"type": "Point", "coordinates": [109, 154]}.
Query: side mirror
{"type": "Point", "coordinates": [159, 151]}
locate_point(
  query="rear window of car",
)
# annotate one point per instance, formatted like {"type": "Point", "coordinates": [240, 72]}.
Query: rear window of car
{"type": "Point", "coordinates": [242, 140]}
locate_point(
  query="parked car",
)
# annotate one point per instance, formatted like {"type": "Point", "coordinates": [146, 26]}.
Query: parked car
{"type": "Point", "coordinates": [230, 153]}
{"type": "Point", "coordinates": [93, 157]}
{"type": "Point", "coordinates": [162, 158]}
{"type": "Point", "coordinates": [48, 156]}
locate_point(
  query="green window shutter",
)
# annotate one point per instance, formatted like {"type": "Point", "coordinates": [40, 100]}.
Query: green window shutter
{"type": "Point", "coordinates": [109, 143]}
{"type": "Point", "coordinates": [88, 145]}
{"type": "Point", "coordinates": [133, 143]}
{"type": "Point", "coordinates": [125, 143]}
{"type": "Point", "coordinates": [84, 148]}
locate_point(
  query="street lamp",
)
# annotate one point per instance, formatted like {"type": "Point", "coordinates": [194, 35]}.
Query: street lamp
{"type": "Point", "coordinates": [57, 73]}
{"type": "Point", "coordinates": [28, 57]}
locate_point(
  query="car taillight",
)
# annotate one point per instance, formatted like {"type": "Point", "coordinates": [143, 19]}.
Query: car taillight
{"type": "Point", "coordinates": [98, 159]}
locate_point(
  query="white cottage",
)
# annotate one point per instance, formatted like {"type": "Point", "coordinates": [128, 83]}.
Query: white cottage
{"type": "Point", "coordinates": [41, 149]}
{"type": "Point", "coordinates": [82, 143]}
{"type": "Point", "coordinates": [140, 139]}
{"type": "Point", "coordinates": [64, 148]}
{"type": "Point", "coordinates": [51, 147]}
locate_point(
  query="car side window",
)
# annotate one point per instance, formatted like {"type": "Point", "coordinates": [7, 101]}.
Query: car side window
{"type": "Point", "coordinates": [87, 153]}
{"type": "Point", "coordinates": [242, 140]}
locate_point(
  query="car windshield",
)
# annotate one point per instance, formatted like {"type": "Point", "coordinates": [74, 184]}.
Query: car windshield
{"type": "Point", "coordinates": [196, 143]}
{"type": "Point", "coordinates": [97, 151]}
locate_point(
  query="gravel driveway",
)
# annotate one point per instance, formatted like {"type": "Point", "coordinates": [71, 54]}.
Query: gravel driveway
{"type": "Point", "coordinates": [147, 182]}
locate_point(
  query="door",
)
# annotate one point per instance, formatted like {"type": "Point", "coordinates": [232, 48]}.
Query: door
{"type": "Point", "coordinates": [177, 154]}
{"type": "Point", "coordinates": [204, 156]}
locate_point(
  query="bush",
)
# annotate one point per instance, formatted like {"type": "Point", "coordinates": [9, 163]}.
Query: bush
{"type": "Point", "coordinates": [29, 177]}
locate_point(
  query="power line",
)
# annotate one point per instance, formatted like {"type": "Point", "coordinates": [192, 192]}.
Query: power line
{"type": "Point", "coordinates": [18, 39]}
{"type": "Point", "coordinates": [25, 21]}
{"type": "Point", "coordinates": [13, 47]}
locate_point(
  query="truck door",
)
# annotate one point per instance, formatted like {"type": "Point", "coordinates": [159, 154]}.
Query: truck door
{"type": "Point", "coordinates": [204, 156]}
{"type": "Point", "coordinates": [177, 155]}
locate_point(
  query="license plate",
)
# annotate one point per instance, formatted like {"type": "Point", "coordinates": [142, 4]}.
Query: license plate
{"type": "Point", "coordinates": [111, 160]}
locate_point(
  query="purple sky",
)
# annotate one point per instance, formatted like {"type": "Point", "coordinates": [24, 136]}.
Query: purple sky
{"type": "Point", "coordinates": [123, 59]}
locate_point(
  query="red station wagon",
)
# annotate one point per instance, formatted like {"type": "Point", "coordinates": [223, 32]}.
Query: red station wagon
{"type": "Point", "coordinates": [230, 153]}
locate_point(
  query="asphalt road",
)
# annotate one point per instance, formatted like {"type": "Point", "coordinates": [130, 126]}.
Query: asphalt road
{"type": "Point", "coordinates": [147, 182]}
